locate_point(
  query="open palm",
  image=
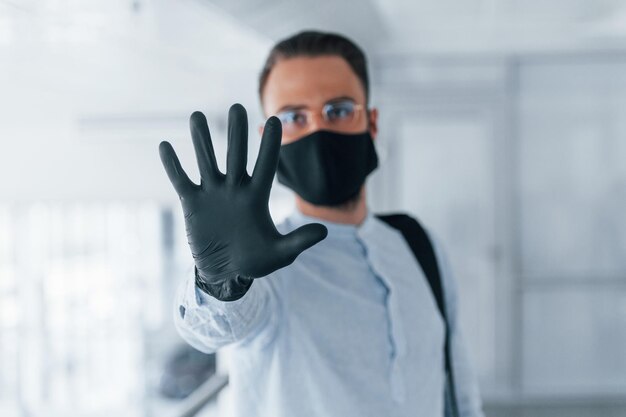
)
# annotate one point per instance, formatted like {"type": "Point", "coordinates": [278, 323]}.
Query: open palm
{"type": "Point", "coordinates": [229, 228]}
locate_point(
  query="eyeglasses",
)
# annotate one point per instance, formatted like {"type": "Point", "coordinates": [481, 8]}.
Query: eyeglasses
{"type": "Point", "coordinates": [340, 115]}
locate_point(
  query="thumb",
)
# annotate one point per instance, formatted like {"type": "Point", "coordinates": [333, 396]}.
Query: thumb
{"type": "Point", "coordinates": [294, 243]}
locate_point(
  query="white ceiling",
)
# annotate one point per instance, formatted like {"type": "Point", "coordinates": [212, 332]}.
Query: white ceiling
{"type": "Point", "coordinates": [443, 26]}
{"type": "Point", "coordinates": [162, 55]}
{"type": "Point", "coordinates": [111, 56]}
{"type": "Point", "coordinates": [504, 26]}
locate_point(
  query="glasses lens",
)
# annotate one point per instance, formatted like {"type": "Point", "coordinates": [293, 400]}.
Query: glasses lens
{"type": "Point", "coordinates": [342, 111]}
{"type": "Point", "coordinates": [292, 120]}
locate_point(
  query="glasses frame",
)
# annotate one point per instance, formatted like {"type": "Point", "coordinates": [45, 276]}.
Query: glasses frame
{"type": "Point", "coordinates": [309, 116]}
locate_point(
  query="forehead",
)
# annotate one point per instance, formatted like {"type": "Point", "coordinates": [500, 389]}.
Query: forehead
{"type": "Point", "coordinates": [310, 81]}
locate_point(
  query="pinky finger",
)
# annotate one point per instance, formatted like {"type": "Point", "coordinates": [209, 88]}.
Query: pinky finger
{"type": "Point", "coordinates": [179, 179]}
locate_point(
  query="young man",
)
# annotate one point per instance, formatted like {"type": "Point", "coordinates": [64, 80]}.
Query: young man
{"type": "Point", "coordinates": [329, 314]}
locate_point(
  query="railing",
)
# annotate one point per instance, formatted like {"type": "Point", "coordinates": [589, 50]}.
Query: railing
{"type": "Point", "coordinates": [206, 393]}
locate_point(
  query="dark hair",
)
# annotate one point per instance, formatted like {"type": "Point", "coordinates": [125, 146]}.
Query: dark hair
{"type": "Point", "coordinates": [313, 44]}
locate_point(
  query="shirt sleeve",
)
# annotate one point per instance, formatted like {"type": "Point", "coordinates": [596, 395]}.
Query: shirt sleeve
{"type": "Point", "coordinates": [466, 384]}
{"type": "Point", "coordinates": [208, 324]}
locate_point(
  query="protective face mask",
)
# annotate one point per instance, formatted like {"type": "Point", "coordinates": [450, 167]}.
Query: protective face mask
{"type": "Point", "coordinates": [327, 168]}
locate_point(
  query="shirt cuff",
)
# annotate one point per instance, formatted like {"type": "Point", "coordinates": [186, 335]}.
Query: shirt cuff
{"type": "Point", "coordinates": [241, 308]}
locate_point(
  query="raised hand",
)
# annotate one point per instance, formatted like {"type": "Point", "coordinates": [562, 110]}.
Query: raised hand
{"type": "Point", "coordinates": [229, 229]}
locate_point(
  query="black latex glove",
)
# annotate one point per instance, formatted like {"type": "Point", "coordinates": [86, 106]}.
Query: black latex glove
{"type": "Point", "coordinates": [229, 229]}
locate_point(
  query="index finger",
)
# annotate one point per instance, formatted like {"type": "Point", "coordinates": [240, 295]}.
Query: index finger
{"type": "Point", "coordinates": [267, 161]}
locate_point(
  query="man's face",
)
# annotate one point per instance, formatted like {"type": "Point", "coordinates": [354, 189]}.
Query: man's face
{"type": "Point", "coordinates": [305, 85]}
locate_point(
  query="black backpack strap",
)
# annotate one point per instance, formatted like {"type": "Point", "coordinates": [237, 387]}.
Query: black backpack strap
{"type": "Point", "coordinates": [423, 250]}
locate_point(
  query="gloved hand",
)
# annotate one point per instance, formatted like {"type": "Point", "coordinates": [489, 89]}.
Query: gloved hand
{"type": "Point", "coordinates": [229, 229]}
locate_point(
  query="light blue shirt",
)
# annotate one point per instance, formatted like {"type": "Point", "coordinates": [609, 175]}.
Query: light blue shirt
{"type": "Point", "coordinates": [349, 329]}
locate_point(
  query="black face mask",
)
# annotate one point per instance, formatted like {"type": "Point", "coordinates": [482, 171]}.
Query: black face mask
{"type": "Point", "coordinates": [327, 168]}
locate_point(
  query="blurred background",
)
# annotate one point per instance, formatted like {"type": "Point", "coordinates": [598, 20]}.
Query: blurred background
{"type": "Point", "coordinates": [503, 128]}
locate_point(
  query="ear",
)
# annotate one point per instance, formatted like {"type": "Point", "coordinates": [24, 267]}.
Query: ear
{"type": "Point", "coordinates": [261, 130]}
{"type": "Point", "coordinates": [372, 122]}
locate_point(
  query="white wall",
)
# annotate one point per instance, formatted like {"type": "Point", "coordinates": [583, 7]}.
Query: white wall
{"type": "Point", "coordinates": [83, 109]}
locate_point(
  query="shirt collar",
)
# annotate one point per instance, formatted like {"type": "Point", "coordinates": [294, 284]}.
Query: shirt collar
{"type": "Point", "coordinates": [297, 219]}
